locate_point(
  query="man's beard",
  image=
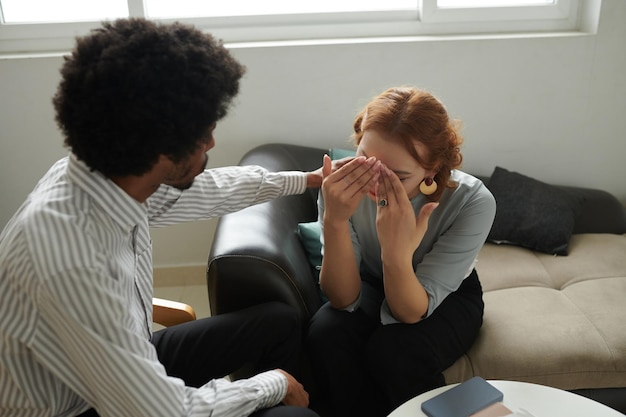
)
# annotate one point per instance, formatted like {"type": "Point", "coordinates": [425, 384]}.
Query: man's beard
{"type": "Point", "coordinates": [184, 187]}
{"type": "Point", "coordinates": [188, 185]}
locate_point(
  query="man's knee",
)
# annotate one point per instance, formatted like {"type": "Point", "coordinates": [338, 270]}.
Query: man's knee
{"type": "Point", "coordinates": [277, 315]}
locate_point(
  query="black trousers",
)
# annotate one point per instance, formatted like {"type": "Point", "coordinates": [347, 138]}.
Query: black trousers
{"type": "Point", "coordinates": [364, 368]}
{"type": "Point", "coordinates": [258, 338]}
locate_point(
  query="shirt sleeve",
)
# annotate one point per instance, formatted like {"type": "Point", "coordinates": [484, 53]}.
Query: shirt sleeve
{"type": "Point", "coordinates": [219, 191]}
{"type": "Point", "coordinates": [461, 231]}
{"type": "Point", "coordinates": [93, 348]}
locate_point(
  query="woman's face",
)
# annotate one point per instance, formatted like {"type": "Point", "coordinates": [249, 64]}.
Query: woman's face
{"type": "Point", "coordinates": [395, 157]}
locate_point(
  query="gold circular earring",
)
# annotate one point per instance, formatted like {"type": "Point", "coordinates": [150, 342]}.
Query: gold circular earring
{"type": "Point", "coordinates": [428, 186]}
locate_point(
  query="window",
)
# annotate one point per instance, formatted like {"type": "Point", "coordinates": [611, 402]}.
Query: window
{"type": "Point", "coordinates": [193, 8]}
{"type": "Point", "coordinates": [51, 25]}
{"type": "Point", "coordinates": [29, 11]}
{"type": "Point", "coordinates": [529, 14]}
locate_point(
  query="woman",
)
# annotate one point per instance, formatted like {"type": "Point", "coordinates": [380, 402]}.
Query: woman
{"type": "Point", "coordinates": [404, 299]}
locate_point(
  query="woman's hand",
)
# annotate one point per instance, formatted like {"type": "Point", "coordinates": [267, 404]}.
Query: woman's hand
{"type": "Point", "coordinates": [344, 188]}
{"type": "Point", "coordinates": [399, 234]}
{"type": "Point", "coordinates": [399, 231]}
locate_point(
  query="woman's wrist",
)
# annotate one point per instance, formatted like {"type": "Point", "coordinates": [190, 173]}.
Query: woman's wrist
{"type": "Point", "coordinates": [395, 260]}
{"type": "Point", "coordinates": [334, 225]}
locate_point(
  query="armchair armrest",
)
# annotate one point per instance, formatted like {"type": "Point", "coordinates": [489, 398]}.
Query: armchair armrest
{"type": "Point", "coordinates": [256, 255]}
{"type": "Point", "coordinates": [168, 313]}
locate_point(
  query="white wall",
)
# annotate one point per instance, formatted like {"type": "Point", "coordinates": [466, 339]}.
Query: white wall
{"type": "Point", "coordinates": [553, 108]}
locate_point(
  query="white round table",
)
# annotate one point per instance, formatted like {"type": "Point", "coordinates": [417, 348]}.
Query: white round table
{"type": "Point", "coordinates": [539, 400]}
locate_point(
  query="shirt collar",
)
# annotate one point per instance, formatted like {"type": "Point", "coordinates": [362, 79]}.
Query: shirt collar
{"type": "Point", "coordinates": [122, 208]}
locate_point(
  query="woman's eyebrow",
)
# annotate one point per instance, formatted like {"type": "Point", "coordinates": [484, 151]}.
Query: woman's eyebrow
{"type": "Point", "coordinates": [398, 173]}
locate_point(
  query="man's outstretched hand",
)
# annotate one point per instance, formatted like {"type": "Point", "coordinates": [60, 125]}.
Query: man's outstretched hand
{"type": "Point", "coordinates": [314, 178]}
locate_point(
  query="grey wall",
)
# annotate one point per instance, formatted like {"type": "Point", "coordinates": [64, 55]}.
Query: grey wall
{"type": "Point", "coordinates": [551, 107]}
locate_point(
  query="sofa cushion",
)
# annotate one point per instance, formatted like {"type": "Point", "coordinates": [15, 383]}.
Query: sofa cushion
{"type": "Point", "coordinates": [531, 213]}
{"type": "Point", "coordinates": [309, 234]}
{"type": "Point", "coordinates": [338, 153]}
{"type": "Point", "coordinates": [553, 303]}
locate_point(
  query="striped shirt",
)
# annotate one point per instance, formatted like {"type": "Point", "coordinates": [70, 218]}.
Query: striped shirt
{"type": "Point", "coordinates": [76, 296]}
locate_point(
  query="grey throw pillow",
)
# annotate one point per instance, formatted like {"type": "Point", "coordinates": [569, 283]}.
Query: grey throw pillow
{"type": "Point", "coordinates": [531, 213]}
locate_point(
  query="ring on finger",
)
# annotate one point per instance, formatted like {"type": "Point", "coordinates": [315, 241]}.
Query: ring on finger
{"type": "Point", "coordinates": [382, 202]}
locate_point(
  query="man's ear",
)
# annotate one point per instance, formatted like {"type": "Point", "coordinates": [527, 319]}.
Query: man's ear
{"type": "Point", "coordinates": [163, 160]}
{"type": "Point", "coordinates": [163, 164]}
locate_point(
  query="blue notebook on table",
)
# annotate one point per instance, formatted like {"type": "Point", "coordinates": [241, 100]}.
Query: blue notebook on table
{"type": "Point", "coordinates": [463, 400]}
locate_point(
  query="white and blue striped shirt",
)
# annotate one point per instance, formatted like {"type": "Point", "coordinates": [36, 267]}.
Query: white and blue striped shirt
{"type": "Point", "coordinates": [76, 297]}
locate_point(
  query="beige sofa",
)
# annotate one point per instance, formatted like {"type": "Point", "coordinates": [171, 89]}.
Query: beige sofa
{"type": "Point", "coordinates": [552, 320]}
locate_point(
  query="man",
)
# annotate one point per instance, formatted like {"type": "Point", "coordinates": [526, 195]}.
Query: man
{"type": "Point", "coordinates": [137, 104]}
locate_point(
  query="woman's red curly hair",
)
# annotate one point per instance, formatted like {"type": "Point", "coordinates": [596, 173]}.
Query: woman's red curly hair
{"type": "Point", "coordinates": [411, 115]}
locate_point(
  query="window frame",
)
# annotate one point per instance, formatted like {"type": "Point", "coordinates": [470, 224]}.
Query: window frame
{"type": "Point", "coordinates": [424, 21]}
{"type": "Point", "coordinates": [563, 15]}
{"type": "Point", "coordinates": [559, 10]}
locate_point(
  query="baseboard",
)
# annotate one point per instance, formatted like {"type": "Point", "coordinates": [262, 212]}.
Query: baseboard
{"type": "Point", "coordinates": [175, 276]}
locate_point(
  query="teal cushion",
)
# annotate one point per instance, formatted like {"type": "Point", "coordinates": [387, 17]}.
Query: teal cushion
{"type": "Point", "coordinates": [338, 153]}
{"type": "Point", "coordinates": [310, 234]}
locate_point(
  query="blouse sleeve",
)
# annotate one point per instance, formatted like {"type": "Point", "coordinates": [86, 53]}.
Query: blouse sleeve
{"type": "Point", "coordinates": [453, 244]}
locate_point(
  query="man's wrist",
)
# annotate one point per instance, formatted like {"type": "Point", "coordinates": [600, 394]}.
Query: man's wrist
{"type": "Point", "coordinates": [314, 179]}
{"type": "Point", "coordinates": [274, 384]}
